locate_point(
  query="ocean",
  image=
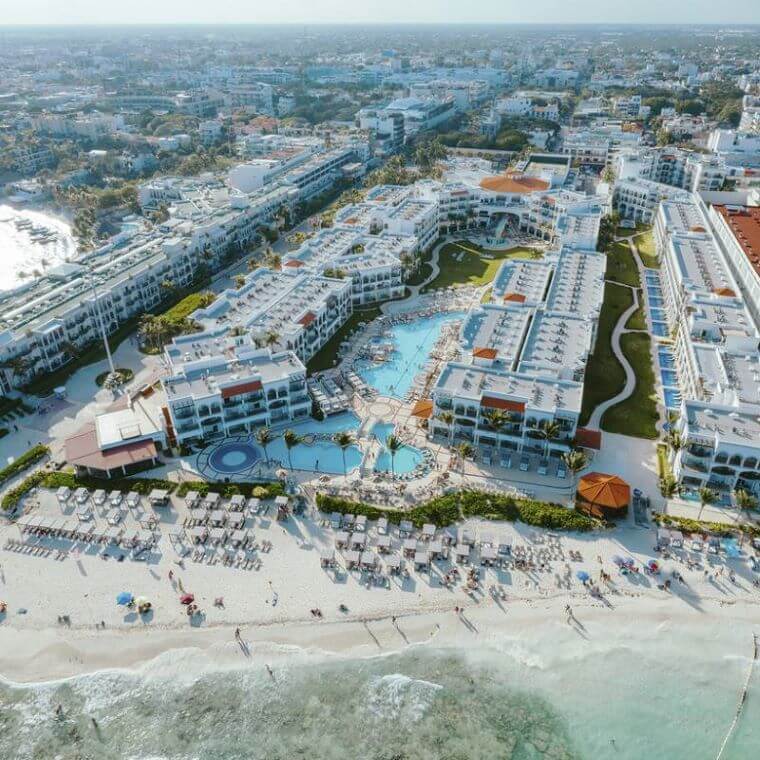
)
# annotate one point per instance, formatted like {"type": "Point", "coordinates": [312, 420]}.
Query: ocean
{"type": "Point", "coordinates": [22, 254]}
{"type": "Point", "coordinates": [502, 698]}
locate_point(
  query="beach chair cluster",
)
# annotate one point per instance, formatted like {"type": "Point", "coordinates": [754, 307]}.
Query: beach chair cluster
{"type": "Point", "coordinates": [328, 394]}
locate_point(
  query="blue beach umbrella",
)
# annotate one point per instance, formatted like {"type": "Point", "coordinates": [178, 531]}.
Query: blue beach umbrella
{"type": "Point", "coordinates": [582, 575]}
{"type": "Point", "coordinates": [124, 598]}
{"type": "Point", "coordinates": [618, 560]}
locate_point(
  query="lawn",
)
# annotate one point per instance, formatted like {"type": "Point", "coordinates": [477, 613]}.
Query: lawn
{"type": "Point", "coordinates": [645, 245]}
{"type": "Point", "coordinates": [477, 267]}
{"type": "Point", "coordinates": [637, 415]}
{"type": "Point", "coordinates": [190, 303]}
{"type": "Point", "coordinates": [605, 376]}
{"type": "Point", "coordinates": [326, 356]}
{"type": "Point", "coordinates": [637, 320]}
{"type": "Point", "coordinates": [621, 266]}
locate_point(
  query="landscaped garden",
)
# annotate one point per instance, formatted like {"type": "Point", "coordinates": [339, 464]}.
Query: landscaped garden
{"type": "Point", "coordinates": [645, 244]}
{"type": "Point", "coordinates": [465, 263]}
{"type": "Point", "coordinates": [621, 266]}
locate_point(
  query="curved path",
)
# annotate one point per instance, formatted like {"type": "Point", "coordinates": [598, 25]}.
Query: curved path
{"type": "Point", "coordinates": [630, 376]}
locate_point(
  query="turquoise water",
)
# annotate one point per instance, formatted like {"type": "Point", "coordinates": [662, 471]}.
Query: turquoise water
{"type": "Point", "coordinates": [407, 459]}
{"type": "Point", "coordinates": [413, 343]}
{"type": "Point", "coordinates": [318, 455]}
{"type": "Point", "coordinates": [504, 699]}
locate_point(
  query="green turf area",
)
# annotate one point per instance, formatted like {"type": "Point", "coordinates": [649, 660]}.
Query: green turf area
{"type": "Point", "coordinates": [637, 415]}
{"type": "Point", "coordinates": [626, 232]}
{"type": "Point", "coordinates": [621, 266]}
{"type": "Point", "coordinates": [184, 308]}
{"type": "Point", "coordinates": [637, 320]}
{"type": "Point", "coordinates": [477, 267]}
{"type": "Point", "coordinates": [605, 376]}
{"type": "Point", "coordinates": [645, 245]}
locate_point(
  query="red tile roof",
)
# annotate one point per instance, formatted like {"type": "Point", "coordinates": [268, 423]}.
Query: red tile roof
{"type": "Point", "coordinates": [307, 318]}
{"type": "Point", "coordinates": [293, 263]}
{"type": "Point", "coordinates": [484, 353]}
{"type": "Point", "coordinates": [744, 223]}
{"type": "Point", "coordinates": [514, 183]}
{"type": "Point", "coordinates": [588, 439]}
{"type": "Point", "coordinates": [82, 450]}
{"type": "Point", "coordinates": [239, 390]}
{"type": "Point", "coordinates": [516, 297]}
{"type": "Point", "coordinates": [492, 402]}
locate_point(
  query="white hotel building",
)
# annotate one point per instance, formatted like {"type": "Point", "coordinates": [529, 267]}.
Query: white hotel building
{"type": "Point", "coordinates": [717, 352]}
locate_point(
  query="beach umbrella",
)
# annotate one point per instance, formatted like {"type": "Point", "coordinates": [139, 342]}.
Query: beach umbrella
{"type": "Point", "coordinates": [653, 566]}
{"type": "Point", "coordinates": [629, 562]}
{"type": "Point", "coordinates": [187, 598]}
{"type": "Point", "coordinates": [124, 598]}
{"type": "Point", "coordinates": [583, 576]}
{"type": "Point", "coordinates": [618, 560]}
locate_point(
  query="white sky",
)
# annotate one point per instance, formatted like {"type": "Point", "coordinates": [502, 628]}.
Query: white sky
{"type": "Point", "coordinates": [368, 11]}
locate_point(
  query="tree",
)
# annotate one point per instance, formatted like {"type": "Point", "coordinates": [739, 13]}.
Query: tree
{"type": "Point", "coordinates": [251, 265]}
{"type": "Point", "coordinates": [496, 419]}
{"type": "Point", "coordinates": [706, 496]}
{"type": "Point", "coordinates": [674, 441]}
{"type": "Point", "coordinates": [343, 439]}
{"type": "Point", "coordinates": [292, 439]}
{"type": "Point", "coordinates": [575, 460]}
{"type": "Point", "coordinates": [393, 444]}
{"type": "Point", "coordinates": [239, 281]}
{"type": "Point", "coordinates": [271, 339]}
{"type": "Point", "coordinates": [447, 418]}
{"type": "Point", "coordinates": [549, 432]}
{"type": "Point", "coordinates": [264, 438]}
{"type": "Point", "coordinates": [668, 486]}
{"type": "Point", "coordinates": [464, 450]}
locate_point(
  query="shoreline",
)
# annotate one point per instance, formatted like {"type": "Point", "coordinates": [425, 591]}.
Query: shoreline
{"type": "Point", "coordinates": [45, 655]}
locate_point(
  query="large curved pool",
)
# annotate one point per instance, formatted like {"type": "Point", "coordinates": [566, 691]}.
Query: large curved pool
{"type": "Point", "coordinates": [233, 457]}
{"type": "Point", "coordinates": [413, 342]}
{"type": "Point", "coordinates": [407, 458]}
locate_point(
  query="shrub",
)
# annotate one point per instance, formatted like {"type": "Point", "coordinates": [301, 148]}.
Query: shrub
{"type": "Point", "coordinates": [26, 460]}
{"type": "Point", "coordinates": [257, 490]}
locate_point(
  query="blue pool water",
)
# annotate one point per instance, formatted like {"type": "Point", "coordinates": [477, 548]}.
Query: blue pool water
{"type": "Point", "coordinates": [318, 455]}
{"type": "Point", "coordinates": [654, 292]}
{"type": "Point", "coordinates": [669, 377]}
{"type": "Point", "coordinates": [407, 460]}
{"type": "Point", "coordinates": [658, 315]}
{"type": "Point", "coordinates": [666, 359]}
{"type": "Point", "coordinates": [672, 398]}
{"type": "Point", "coordinates": [234, 456]}
{"type": "Point", "coordinates": [656, 302]}
{"type": "Point", "coordinates": [660, 329]}
{"type": "Point", "coordinates": [413, 343]}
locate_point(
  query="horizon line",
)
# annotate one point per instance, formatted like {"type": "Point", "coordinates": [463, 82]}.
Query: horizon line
{"type": "Point", "coordinates": [66, 24]}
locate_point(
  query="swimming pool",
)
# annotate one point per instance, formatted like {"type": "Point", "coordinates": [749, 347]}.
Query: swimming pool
{"type": "Point", "coordinates": [656, 302]}
{"type": "Point", "coordinates": [413, 342]}
{"type": "Point", "coordinates": [669, 377]}
{"type": "Point", "coordinates": [660, 329]}
{"type": "Point", "coordinates": [672, 398]}
{"type": "Point", "coordinates": [666, 358]}
{"type": "Point", "coordinates": [234, 456]}
{"type": "Point", "coordinates": [658, 315]}
{"type": "Point", "coordinates": [317, 453]}
{"type": "Point", "coordinates": [407, 459]}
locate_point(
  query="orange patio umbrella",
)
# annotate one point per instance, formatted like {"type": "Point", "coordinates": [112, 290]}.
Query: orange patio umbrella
{"type": "Point", "coordinates": [608, 491]}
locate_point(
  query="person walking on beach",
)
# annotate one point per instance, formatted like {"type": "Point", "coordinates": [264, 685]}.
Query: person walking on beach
{"type": "Point", "coordinates": [237, 634]}
{"type": "Point", "coordinates": [569, 612]}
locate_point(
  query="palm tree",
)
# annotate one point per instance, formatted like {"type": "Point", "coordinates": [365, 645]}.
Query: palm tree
{"type": "Point", "coordinates": [292, 439]}
{"type": "Point", "coordinates": [464, 450]}
{"type": "Point", "coordinates": [496, 419]}
{"type": "Point", "coordinates": [745, 501]}
{"type": "Point", "coordinates": [343, 439]}
{"type": "Point", "coordinates": [549, 432]}
{"type": "Point", "coordinates": [575, 460]}
{"type": "Point", "coordinates": [264, 438]}
{"type": "Point", "coordinates": [447, 418]}
{"type": "Point", "coordinates": [239, 281]}
{"type": "Point", "coordinates": [271, 338]}
{"type": "Point", "coordinates": [668, 486]}
{"type": "Point", "coordinates": [706, 496]}
{"type": "Point", "coordinates": [393, 444]}
{"type": "Point", "coordinates": [252, 264]}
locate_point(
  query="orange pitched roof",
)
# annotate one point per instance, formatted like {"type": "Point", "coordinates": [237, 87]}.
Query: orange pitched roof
{"type": "Point", "coordinates": [516, 297]}
{"type": "Point", "coordinates": [724, 292]}
{"type": "Point", "coordinates": [240, 388]}
{"type": "Point", "coordinates": [491, 402]}
{"type": "Point", "coordinates": [744, 224]}
{"type": "Point", "coordinates": [514, 183]}
{"type": "Point", "coordinates": [307, 318]}
{"type": "Point", "coordinates": [293, 263]}
{"type": "Point", "coordinates": [423, 409]}
{"type": "Point", "coordinates": [484, 353]}
{"type": "Point", "coordinates": [604, 490]}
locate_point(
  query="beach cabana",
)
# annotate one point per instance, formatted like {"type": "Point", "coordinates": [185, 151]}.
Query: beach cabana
{"type": "Point", "coordinates": [114, 517]}
{"type": "Point", "coordinates": [383, 544]}
{"type": "Point", "coordinates": [158, 497]}
{"type": "Point", "coordinates": [466, 537]}
{"type": "Point", "coordinates": [361, 523]}
{"type": "Point", "coordinates": [341, 538]}
{"type": "Point", "coordinates": [449, 535]}
{"type": "Point", "coordinates": [198, 534]}
{"type": "Point", "coordinates": [382, 526]}
{"type": "Point", "coordinates": [394, 563]}
{"type": "Point", "coordinates": [218, 517]}
{"type": "Point", "coordinates": [602, 495]}
{"type": "Point", "coordinates": [676, 539]}
{"type": "Point", "coordinates": [81, 495]}
{"type": "Point", "coordinates": [487, 555]}
{"type": "Point", "coordinates": [352, 559]}
{"type": "Point", "coordinates": [114, 498]}
{"type": "Point", "coordinates": [237, 502]}
{"type": "Point", "coordinates": [462, 552]}
{"type": "Point", "coordinates": [192, 498]}
{"type": "Point", "coordinates": [347, 521]}
{"type": "Point", "coordinates": [211, 500]}
{"type": "Point", "coordinates": [663, 537]}
{"type": "Point", "coordinates": [421, 560]}
{"type": "Point", "coordinates": [327, 558]}
{"type": "Point", "coordinates": [358, 541]}
{"type": "Point", "coordinates": [405, 528]}
{"type": "Point", "coordinates": [198, 515]}
{"type": "Point", "coordinates": [436, 549]}
{"type": "Point", "coordinates": [99, 497]}
{"type": "Point", "coordinates": [336, 520]}
{"type": "Point", "coordinates": [63, 494]}
{"type": "Point", "coordinates": [84, 513]}
{"type": "Point", "coordinates": [144, 538]}
{"type": "Point", "coordinates": [133, 499]}
{"type": "Point", "coordinates": [409, 547]}
{"type": "Point", "coordinates": [428, 531]}
{"type": "Point", "coordinates": [113, 534]}
{"type": "Point", "coordinates": [218, 535]}
{"type": "Point", "coordinates": [368, 560]}
{"type": "Point", "coordinates": [239, 537]}
{"type": "Point", "coordinates": [253, 505]}
{"type": "Point", "coordinates": [236, 520]}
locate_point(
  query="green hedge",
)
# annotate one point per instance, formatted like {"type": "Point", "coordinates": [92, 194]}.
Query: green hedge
{"type": "Point", "coordinates": [259, 490]}
{"type": "Point", "coordinates": [448, 509]}
{"type": "Point", "coordinates": [24, 462]}
{"type": "Point", "coordinates": [689, 525]}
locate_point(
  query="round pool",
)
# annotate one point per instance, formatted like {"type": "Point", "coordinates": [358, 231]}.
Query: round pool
{"type": "Point", "coordinates": [233, 457]}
